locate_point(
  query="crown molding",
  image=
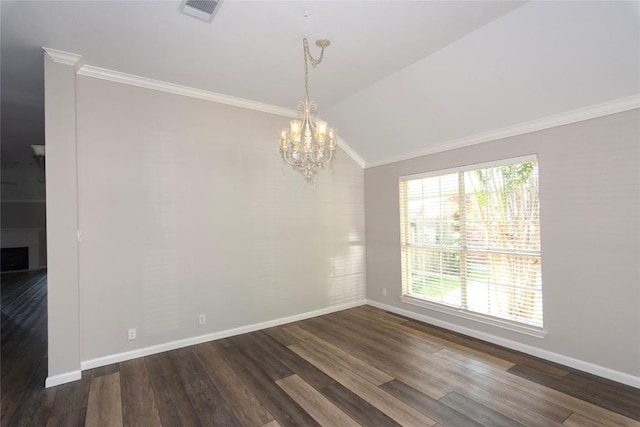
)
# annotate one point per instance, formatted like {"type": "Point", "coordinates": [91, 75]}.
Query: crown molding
{"type": "Point", "coordinates": [65, 58]}
{"type": "Point", "coordinates": [592, 112]}
{"type": "Point", "coordinates": [143, 82]}
{"type": "Point", "coordinates": [351, 153]}
{"type": "Point", "coordinates": [176, 89]}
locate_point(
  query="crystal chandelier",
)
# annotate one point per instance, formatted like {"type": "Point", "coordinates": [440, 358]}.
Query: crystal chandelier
{"type": "Point", "coordinates": [308, 144]}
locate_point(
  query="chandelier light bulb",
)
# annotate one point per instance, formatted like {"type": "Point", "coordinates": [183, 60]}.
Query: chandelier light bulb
{"type": "Point", "coordinates": [321, 132]}
{"type": "Point", "coordinates": [296, 130]}
{"type": "Point", "coordinates": [283, 139]}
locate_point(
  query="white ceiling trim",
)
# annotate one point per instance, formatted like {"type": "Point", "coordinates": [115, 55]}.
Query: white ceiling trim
{"type": "Point", "coordinates": [592, 112]}
{"type": "Point", "coordinates": [129, 79]}
{"type": "Point", "coordinates": [65, 58]}
{"type": "Point", "coordinates": [143, 82]}
{"type": "Point", "coordinates": [351, 152]}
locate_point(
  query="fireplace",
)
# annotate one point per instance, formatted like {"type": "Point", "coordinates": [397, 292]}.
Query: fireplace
{"type": "Point", "coordinates": [14, 243]}
{"type": "Point", "coordinates": [14, 259]}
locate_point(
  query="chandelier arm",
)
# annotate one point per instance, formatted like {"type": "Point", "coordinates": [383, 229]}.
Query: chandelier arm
{"type": "Point", "coordinates": [287, 159]}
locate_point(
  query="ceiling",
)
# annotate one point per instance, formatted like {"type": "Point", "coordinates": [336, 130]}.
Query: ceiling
{"type": "Point", "coordinates": [399, 77]}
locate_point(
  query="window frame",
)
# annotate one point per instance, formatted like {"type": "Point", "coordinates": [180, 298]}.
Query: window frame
{"type": "Point", "coordinates": [406, 297]}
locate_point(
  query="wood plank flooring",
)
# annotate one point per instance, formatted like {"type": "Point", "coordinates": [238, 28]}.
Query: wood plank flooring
{"type": "Point", "coordinates": [23, 347]}
{"type": "Point", "coordinates": [361, 366]}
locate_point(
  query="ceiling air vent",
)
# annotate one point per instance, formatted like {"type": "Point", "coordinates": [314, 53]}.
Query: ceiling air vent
{"type": "Point", "coordinates": [200, 9]}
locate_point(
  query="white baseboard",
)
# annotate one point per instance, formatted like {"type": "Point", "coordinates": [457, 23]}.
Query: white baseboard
{"type": "Point", "coordinates": [601, 371]}
{"type": "Point", "coordinates": [141, 352]}
{"type": "Point", "coordinates": [67, 377]}
{"type": "Point", "coordinates": [581, 365]}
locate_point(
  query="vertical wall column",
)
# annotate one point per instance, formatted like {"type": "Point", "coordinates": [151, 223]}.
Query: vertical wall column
{"type": "Point", "coordinates": [62, 216]}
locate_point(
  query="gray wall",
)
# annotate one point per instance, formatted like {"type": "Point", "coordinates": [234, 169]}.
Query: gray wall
{"type": "Point", "coordinates": [185, 207]}
{"type": "Point", "coordinates": [590, 235]}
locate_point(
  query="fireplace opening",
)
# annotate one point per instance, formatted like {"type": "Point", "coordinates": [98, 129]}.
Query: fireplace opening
{"type": "Point", "coordinates": [14, 259]}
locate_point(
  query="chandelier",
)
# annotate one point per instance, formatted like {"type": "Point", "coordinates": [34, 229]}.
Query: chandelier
{"type": "Point", "coordinates": [308, 144]}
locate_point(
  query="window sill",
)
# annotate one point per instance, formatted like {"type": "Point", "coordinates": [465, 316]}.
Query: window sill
{"type": "Point", "coordinates": [504, 324]}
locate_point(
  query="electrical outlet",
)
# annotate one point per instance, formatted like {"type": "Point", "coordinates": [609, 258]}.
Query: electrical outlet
{"type": "Point", "coordinates": [132, 334]}
{"type": "Point", "coordinates": [202, 319]}
{"type": "Point", "coordinates": [384, 292]}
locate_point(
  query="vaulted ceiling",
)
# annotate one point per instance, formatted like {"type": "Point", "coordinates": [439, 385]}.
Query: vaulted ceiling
{"type": "Point", "coordinates": [400, 78]}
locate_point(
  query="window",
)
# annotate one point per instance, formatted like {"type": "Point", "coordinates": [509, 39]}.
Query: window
{"type": "Point", "coordinates": [470, 241]}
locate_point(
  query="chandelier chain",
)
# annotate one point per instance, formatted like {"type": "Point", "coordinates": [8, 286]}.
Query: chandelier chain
{"type": "Point", "coordinates": [309, 58]}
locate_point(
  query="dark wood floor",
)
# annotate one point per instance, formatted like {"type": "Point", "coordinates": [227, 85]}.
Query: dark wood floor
{"type": "Point", "coordinates": [23, 346]}
{"type": "Point", "coordinates": [357, 367]}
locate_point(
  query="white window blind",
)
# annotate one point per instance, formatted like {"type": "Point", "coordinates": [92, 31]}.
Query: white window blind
{"type": "Point", "coordinates": [470, 241]}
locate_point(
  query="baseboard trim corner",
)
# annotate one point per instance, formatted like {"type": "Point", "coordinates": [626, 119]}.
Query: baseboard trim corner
{"type": "Point", "coordinates": [173, 345]}
{"type": "Point", "coordinates": [571, 362]}
{"type": "Point", "coordinates": [59, 379]}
